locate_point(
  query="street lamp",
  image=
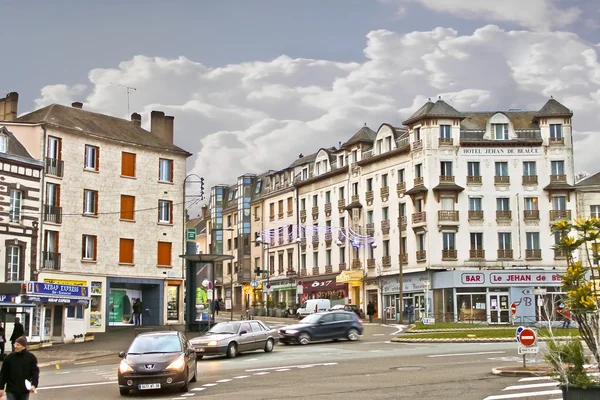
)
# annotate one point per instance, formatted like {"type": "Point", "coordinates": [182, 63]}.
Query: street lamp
{"type": "Point", "coordinates": [267, 245]}
{"type": "Point", "coordinates": [230, 277]}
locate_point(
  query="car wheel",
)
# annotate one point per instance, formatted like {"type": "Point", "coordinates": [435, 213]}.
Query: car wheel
{"type": "Point", "coordinates": [199, 357]}
{"type": "Point", "coordinates": [232, 350]}
{"type": "Point", "coordinates": [124, 391]}
{"type": "Point", "coordinates": [353, 334]}
{"type": "Point", "coordinates": [195, 378]}
{"type": "Point", "coordinates": [304, 338]}
{"type": "Point", "coordinates": [269, 346]}
{"type": "Point", "coordinates": [186, 384]}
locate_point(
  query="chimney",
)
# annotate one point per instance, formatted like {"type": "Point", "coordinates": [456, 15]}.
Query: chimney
{"type": "Point", "coordinates": [136, 119]}
{"type": "Point", "coordinates": [157, 123]}
{"type": "Point", "coordinates": [169, 121]}
{"type": "Point", "coordinates": [8, 107]}
{"type": "Point", "coordinates": [77, 104]}
{"type": "Point", "coordinates": [300, 155]}
{"type": "Point", "coordinates": [205, 211]}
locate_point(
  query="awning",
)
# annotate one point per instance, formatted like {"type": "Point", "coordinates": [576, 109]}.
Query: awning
{"type": "Point", "coordinates": [350, 276]}
{"type": "Point", "coordinates": [207, 258]}
{"type": "Point", "coordinates": [16, 305]}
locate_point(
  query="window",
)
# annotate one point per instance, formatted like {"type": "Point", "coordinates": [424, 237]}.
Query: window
{"type": "Point", "coordinates": [328, 197]}
{"type": "Point", "coordinates": [419, 205]}
{"type": "Point", "coordinates": [303, 261]}
{"type": "Point", "coordinates": [474, 203]}
{"type": "Point", "coordinates": [290, 259]}
{"type": "Point", "coordinates": [559, 203]}
{"type": "Point", "coordinates": [92, 157]}
{"type": "Point", "coordinates": [75, 312]}
{"type": "Point", "coordinates": [355, 189]}
{"type": "Point", "coordinates": [342, 222]}
{"type": "Point", "coordinates": [354, 156]}
{"type": "Point", "coordinates": [165, 170]}
{"type": "Point", "coordinates": [371, 252]}
{"type": "Point", "coordinates": [16, 198]}
{"type": "Point", "coordinates": [315, 202]}
{"type": "Point", "coordinates": [165, 211]}
{"type": "Point", "coordinates": [369, 184]}
{"type": "Point", "coordinates": [595, 211]}
{"type": "Point", "coordinates": [341, 193]}
{"type": "Point", "coordinates": [388, 143]}
{"type": "Point", "coordinates": [257, 213]}
{"type": "Point", "coordinates": [127, 207]}
{"type": "Point", "coordinates": [52, 194]}
{"type": "Point", "coordinates": [340, 161]}
{"type": "Point", "coordinates": [557, 167]}
{"type": "Point", "coordinates": [90, 202]}
{"type": "Point", "coordinates": [54, 148]}
{"type": "Point", "coordinates": [445, 132]}
{"type": "Point", "coordinates": [370, 217]}
{"type": "Point", "coordinates": [533, 240]}
{"type": "Point", "coordinates": [401, 175]}
{"type": "Point", "coordinates": [88, 247]}
{"type": "Point", "coordinates": [447, 203]}
{"type": "Point", "coordinates": [421, 242]}
{"type": "Point", "coordinates": [3, 143]}
{"type": "Point", "coordinates": [504, 241]}
{"type": "Point", "coordinates": [500, 131]}
{"type": "Point", "coordinates": [342, 255]}
{"type": "Point", "coordinates": [417, 134]}
{"type": "Point", "coordinates": [229, 243]}
{"type": "Point", "coordinates": [13, 254]}
{"type": "Point", "coordinates": [386, 248]}
{"type": "Point", "coordinates": [258, 187]}
{"type": "Point", "coordinates": [531, 203]}
{"type": "Point", "coordinates": [164, 253]}
{"type": "Point", "coordinates": [529, 168]}
{"type": "Point", "coordinates": [328, 257]}
{"type": "Point", "coordinates": [280, 208]}
{"type": "Point", "coordinates": [502, 168]}
{"type": "Point", "coordinates": [473, 168]}
{"type": "Point", "coordinates": [229, 221]}
{"type": "Point", "coordinates": [127, 164]}
{"type": "Point", "coordinates": [402, 207]}
{"type": "Point", "coordinates": [380, 146]}
{"type": "Point", "coordinates": [290, 205]}
{"type": "Point", "coordinates": [477, 241]}
{"type": "Point", "coordinates": [385, 215]}
{"type": "Point", "coordinates": [556, 131]}
{"type": "Point", "coordinates": [449, 240]}
{"type": "Point", "coordinates": [271, 211]}
{"type": "Point", "coordinates": [446, 168]}
{"type": "Point", "coordinates": [304, 173]}
{"type": "Point", "coordinates": [418, 170]}
{"type": "Point", "coordinates": [315, 259]}
{"type": "Point", "coordinates": [384, 180]}
{"type": "Point", "coordinates": [503, 204]}
{"type": "Point", "coordinates": [303, 204]}
{"type": "Point", "coordinates": [126, 251]}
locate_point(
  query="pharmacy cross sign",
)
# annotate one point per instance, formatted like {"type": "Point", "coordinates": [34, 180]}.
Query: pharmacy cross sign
{"type": "Point", "coordinates": [527, 337]}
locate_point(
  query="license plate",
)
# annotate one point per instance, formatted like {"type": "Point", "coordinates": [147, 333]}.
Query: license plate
{"type": "Point", "coordinates": [149, 386]}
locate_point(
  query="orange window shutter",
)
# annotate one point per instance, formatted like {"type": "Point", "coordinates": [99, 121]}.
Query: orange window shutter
{"type": "Point", "coordinates": [58, 195]}
{"type": "Point", "coordinates": [57, 246]}
{"type": "Point", "coordinates": [171, 164]}
{"type": "Point", "coordinates": [164, 253]}
{"type": "Point", "coordinates": [132, 164]}
{"type": "Point", "coordinates": [60, 149]}
{"type": "Point", "coordinates": [83, 200]}
{"type": "Point", "coordinates": [122, 250]}
{"type": "Point", "coordinates": [82, 247]}
{"type": "Point", "coordinates": [95, 246]}
{"type": "Point", "coordinates": [97, 158]}
{"type": "Point", "coordinates": [171, 212]}
{"type": "Point", "coordinates": [85, 156]}
{"type": "Point", "coordinates": [132, 208]}
{"type": "Point", "coordinates": [96, 203]}
{"type": "Point", "coordinates": [123, 205]}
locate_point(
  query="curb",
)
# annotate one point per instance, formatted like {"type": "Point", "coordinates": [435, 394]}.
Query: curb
{"type": "Point", "coordinates": [513, 373]}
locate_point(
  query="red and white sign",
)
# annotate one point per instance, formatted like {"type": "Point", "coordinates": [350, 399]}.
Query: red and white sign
{"type": "Point", "coordinates": [322, 285]}
{"type": "Point", "coordinates": [513, 308]}
{"type": "Point", "coordinates": [523, 278]}
{"type": "Point", "coordinates": [473, 279]}
{"type": "Point", "coordinates": [527, 337]}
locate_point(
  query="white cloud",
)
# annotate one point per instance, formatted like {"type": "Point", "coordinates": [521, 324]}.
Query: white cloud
{"type": "Point", "coordinates": [260, 115]}
{"type": "Point", "coordinates": [534, 14]}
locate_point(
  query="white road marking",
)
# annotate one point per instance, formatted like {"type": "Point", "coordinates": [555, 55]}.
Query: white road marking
{"type": "Point", "coordinates": [241, 377]}
{"type": "Point", "coordinates": [188, 394]}
{"type": "Point", "coordinates": [379, 334]}
{"type": "Point", "coordinates": [466, 354]}
{"type": "Point", "coordinates": [210, 384]}
{"type": "Point", "coordinates": [528, 394]}
{"type": "Point", "coordinates": [198, 389]}
{"type": "Point", "coordinates": [288, 366]}
{"type": "Point", "coordinates": [63, 373]}
{"type": "Point", "coordinates": [530, 386]}
{"type": "Point", "coordinates": [282, 370]}
{"type": "Point", "coordinates": [261, 373]}
{"type": "Point", "coordinates": [85, 362]}
{"type": "Point", "coordinates": [76, 385]}
{"type": "Point", "coordinates": [252, 359]}
{"type": "Point", "coordinates": [536, 378]}
{"type": "Point", "coordinates": [224, 380]}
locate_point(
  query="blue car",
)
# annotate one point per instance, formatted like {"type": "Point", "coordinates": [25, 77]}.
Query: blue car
{"type": "Point", "coordinates": [331, 325]}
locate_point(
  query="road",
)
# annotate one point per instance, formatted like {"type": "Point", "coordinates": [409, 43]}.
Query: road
{"type": "Point", "coordinates": [373, 368]}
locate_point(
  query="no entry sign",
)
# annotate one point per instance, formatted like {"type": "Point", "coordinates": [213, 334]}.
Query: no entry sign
{"type": "Point", "coordinates": [527, 337]}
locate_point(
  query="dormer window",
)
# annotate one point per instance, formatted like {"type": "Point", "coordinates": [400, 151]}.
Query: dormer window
{"type": "Point", "coordinates": [304, 173]}
{"type": "Point", "coordinates": [354, 156]}
{"type": "Point", "coordinates": [379, 146]}
{"type": "Point", "coordinates": [258, 187]}
{"type": "Point", "coordinates": [324, 166]}
{"type": "Point", "coordinates": [3, 143]}
{"type": "Point", "coordinates": [340, 161]}
{"type": "Point", "coordinates": [555, 131]}
{"type": "Point", "coordinates": [500, 131]}
{"type": "Point", "coordinates": [388, 143]}
{"type": "Point", "coordinates": [417, 134]}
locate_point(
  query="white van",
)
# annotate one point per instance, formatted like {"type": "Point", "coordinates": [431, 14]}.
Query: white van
{"type": "Point", "coordinates": [313, 306]}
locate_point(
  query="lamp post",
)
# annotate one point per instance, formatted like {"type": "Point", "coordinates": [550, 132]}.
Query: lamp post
{"type": "Point", "coordinates": [184, 212]}
{"type": "Point", "coordinates": [230, 277]}
{"type": "Point", "coordinates": [259, 240]}
{"type": "Point", "coordinates": [400, 310]}
{"type": "Point", "coordinates": [426, 284]}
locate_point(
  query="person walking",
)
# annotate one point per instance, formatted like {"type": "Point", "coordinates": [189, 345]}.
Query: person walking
{"type": "Point", "coordinates": [18, 331]}
{"type": "Point", "coordinates": [137, 311]}
{"type": "Point", "coordinates": [370, 311]}
{"type": "Point", "coordinates": [411, 313]}
{"type": "Point", "coordinates": [2, 341]}
{"type": "Point", "coordinates": [20, 372]}
{"type": "Point", "coordinates": [217, 306]}
{"type": "Point", "coordinates": [567, 318]}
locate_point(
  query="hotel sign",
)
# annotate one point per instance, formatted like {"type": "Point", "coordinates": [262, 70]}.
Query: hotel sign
{"type": "Point", "coordinates": [501, 151]}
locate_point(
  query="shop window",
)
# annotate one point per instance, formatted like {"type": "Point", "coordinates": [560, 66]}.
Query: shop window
{"type": "Point", "coordinates": [128, 164]}
{"type": "Point", "coordinates": [75, 312]}
{"type": "Point", "coordinates": [173, 302]}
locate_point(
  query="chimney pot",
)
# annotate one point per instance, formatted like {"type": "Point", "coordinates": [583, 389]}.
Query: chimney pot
{"type": "Point", "coordinates": [77, 104]}
{"type": "Point", "coordinates": [300, 155]}
{"type": "Point", "coordinates": [168, 133]}
{"type": "Point", "coordinates": [136, 119]}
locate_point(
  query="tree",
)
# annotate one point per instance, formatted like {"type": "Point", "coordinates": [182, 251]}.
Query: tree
{"type": "Point", "coordinates": [579, 280]}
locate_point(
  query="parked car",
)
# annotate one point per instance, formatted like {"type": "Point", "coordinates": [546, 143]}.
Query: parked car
{"type": "Point", "coordinates": [329, 325]}
{"type": "Point", "coordinates": [345, 307]}
{"type": "Point", "coordinates": [313, 306]}
{"type": "Point", "coordinates": [157, 360]}
{"type": "Point", "coordinates": [234, 337]}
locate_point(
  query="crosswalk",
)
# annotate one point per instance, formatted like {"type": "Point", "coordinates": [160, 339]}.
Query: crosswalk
{"type": "Point", "coordinates": [538, 388]}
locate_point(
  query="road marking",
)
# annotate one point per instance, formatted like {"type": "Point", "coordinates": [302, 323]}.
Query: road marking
{"type": "Point", "coordinates": [466, 354]}
{"type": "Point", "coordinates": [62, 373]}
{"type": "Point", "coordinates": [241, 377]}
{"type": "Point", "coordinates": [210, 384]}
{"type": "Point", "coordinates": [536, 378]}
{"type": "Point", "coordinates": [379, 334]}
{"type": "Point", "coordinates": [189, 394]}
{"type": "Point", "coordinates": [76, 385]}
{"type": "Point", "coordinates": [530, 386]}
{"type": "Point", "coordinates": [224, 380]}
{"type": "Point", "coordinates": [261, 373]}
{"type": "Point", "coordinates": [528, 394]}
{"type": "Point", "coordinates": [198, 389]}
{"type": "Point", "coordinates": [289, 366]}
{"type": "Point", "coordinates": [252, 359]}
{"type": "Point", "coordinates": [85, 362]}
{"type": "Point", "coordinates": [282, 370]}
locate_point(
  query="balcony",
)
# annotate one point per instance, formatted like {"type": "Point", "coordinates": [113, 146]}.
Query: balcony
{"type": "Point", "coordinates": [530, 179]}
{"type": "Point", "coordinates": [370, 263]}
{"type": "Point", "coordinates": [419, 218]}
{"type": "Point", "coordinates": [502, 180]}
{"type": "Point", "coordinates": [560, 254]}
{"type": "Point", "coordinates": [404, 258]}
{"type": "Point", "coordinates": [449, 255]}
{"type": "Point", "coordinates": [400, 188]}
{"type": "Point", "coordinates": [445, 142]}
{"type": "Point", "coordinates": [342, 267]}
{"type": "Point", "coordinates": [369, 196]}
{"type": "Point", "coordinates": [342, 235]}
{"type": "Point", "coordinates": [418, 181]}
{"type": "Point", "coordinates": [386, 261]}
{"type": "Point", "coordinates": [402, 223]}
{"type": "Point", "coordinates": [531, 215]}
{"type": "Point", "coordinates": [50, 260]}
{"type": "Point", "coordinates": [356, 264]}
{"type": "Point", "coordinates": [558, 178]}
{"type": "Point", "coordinates": [446, 178]}
{"type": "Point", "coordinates": [503, 215]}
{"type": "Point", "coordinates": [384, 192]}
{"type": "Point", "coordinates": [477, 254]}
{"type": "Point", "coordinates": [556, 141]}
{"type": "Point", "coordinates": [421, 255]}
{"type": "Point", "coordinates": [385, 226]}
{"type": "Point", "coordinates": [327, 209]}
{"type": "Point", "coordinates": [54, 167]}
{"type": "Point", "coordinates": [315, 212]}
{"type": "Point", "coordinates": [447, 216]}
{"type": "Point", "coordinates": [370, 229]}
{"type": "Point", "coordinates": [417, 144]}
{"type": "Point", "coordinates": [505, 254]}
{"type": "Point", "coordinates": [341, 205]}
{"type": "Point", "coordinates": [303, 242]}
{"type": "Point", "coordinates": [355, 198]}
{"type": "Point", "coordinates": [533, 254]}
{"type": "Point", "coordinates": [315, 240]}
{"type": "Point", "coordinates": [328, 269]}
{"type": "Point", "coordinates": [474, 180]}
{"type": "Point", "coordinates": [315, 271]}
{"type": "Point", "coordinates": [303, 215]}
{"type": "Point", "coordinates": [475, 215]}
{"type": "Point", "coordinates": [558, 215]}
{"type": "Point", "coordinates": [272, 217]}
{"type": "Point", "coordinates": [303, 272]}
{"type": "Point", "coordinates": [52, 214]}
{"type": "Point", "coordinates": [328, 238]}
{"type": "Point", "coordinates": [280, 215]}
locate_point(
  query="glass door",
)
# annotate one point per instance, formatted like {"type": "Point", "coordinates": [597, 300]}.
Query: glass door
{"type": "Point", "coordinates": [419, 306]}
{"type": "Point", "coordinates": [499, 308]}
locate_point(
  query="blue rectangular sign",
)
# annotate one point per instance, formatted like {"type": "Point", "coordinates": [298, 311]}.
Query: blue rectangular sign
{"type": "Point", "coordinates": [56, 289]}
{"type": "Point", "coordinates": [58, 300]}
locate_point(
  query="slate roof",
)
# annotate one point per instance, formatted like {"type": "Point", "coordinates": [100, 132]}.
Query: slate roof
{"type": "Point", "coordinates": [439, 109]}
{"type": "Point", "coordinates": [521, 120]}
{"type": "Point", "coordinates": [592, 180]}
{"type": "Point", "coordinates": [105, 126]}
{"type": "Point", "coordinates": [304, 160]}
{"type": "Point", "coordinates": [553, 108]}
{"type": "Point", "coordinates": [14, 147]}
{"type": "Point", "coordinates": [364, 135]}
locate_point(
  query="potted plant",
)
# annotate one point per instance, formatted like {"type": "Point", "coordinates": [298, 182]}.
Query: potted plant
{"type": "Point", "coordinates": [78, 338]}
{"type": "Point", "coordinates": [88, 337]}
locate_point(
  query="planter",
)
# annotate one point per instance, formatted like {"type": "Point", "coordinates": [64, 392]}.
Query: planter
{"type": "Point", "coordinates": [46, 344]}
{"type": "Point", "coordinates": [79, 340]}
{"type": "Point", "coordinates": [88, 338]}
{"type": "Point", "coordinates": [576, 393]}
{"type": "Point", "coordinates": [34, 346]}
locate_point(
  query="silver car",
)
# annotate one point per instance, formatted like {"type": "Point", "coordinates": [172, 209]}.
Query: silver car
{"type": "Point", "coordinates": [232, 338]}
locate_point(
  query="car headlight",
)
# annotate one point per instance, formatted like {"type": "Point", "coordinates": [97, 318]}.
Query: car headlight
{"type": "Point", "coordinates": [291, 331]}
{"type": "Point", "coordinates": [178, 364]}
{"type": "Point", "coordinates": [213, 343]}
{"type": "Point", "coordinates": [124, 367]}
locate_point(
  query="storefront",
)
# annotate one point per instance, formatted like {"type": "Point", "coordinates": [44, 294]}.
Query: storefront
{"type": "Point", "coordinates": [283, 292]}
{"type": "Point", "coordinates": [174, 296]}
{"type": "Point", "coordinates": [486, 295]}
{"type": "Point", "coordinates": [413, 292]}
{"type": "Point", "coordinates": [324, 288]}
{"type": "Point", "coordinates": [353, 281]}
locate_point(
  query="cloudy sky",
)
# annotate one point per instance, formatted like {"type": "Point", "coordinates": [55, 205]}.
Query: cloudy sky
{"type": "Point", "coordinates": [253, 83]}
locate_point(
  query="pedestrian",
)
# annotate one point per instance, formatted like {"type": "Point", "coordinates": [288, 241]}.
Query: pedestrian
{"type": "Point", "coordinates": [567, 319]}
{"type": "Point", "coordinates": [217, 306]}
{"type": "Point", "coordinates": [18, 331]}
{"type": "Point", "coordinates": [2, 341]}
{"type": "Point", "coordinates": [370, 311]}
{"type": "Point", "coordinates": [411, 313]}
{"type": "Point", "coordinates": [20, 373]}
{"type": "Point", "coordinates": [137, 312]}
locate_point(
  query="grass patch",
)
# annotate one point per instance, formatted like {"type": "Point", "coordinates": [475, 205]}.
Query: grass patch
{"type": "Point", "coordinates": [452, 325]}
{"type": "Point", "coordinates": [483, 333]}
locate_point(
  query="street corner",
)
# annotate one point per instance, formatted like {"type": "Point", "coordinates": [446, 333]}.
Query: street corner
{"type": "Point", "coordinates": [521, 371]}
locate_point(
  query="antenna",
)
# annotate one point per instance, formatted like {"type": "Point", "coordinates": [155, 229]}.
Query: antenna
{"type": "Point", "coordinates": [129, 89]}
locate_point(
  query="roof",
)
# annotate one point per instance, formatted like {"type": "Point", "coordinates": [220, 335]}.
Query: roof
{"type": "Point", "coordinates": [591, 180]}
{"type": "Point", "coordinates": [553, 108]}
{"type": "Point", "coordinates": [14, 147]}
{"type": "Point", "coordinates": [439, 109]}
{"type": "Point", "coordinates": [417, 189]}
{"type": "Point", "coordinates": [303, 160]}
{"type": "Point", "coordinates": [198, 223]}
{"type": "Point", "coordinates": [521, 120]}
{"type": "Point", "coordinates": [364, 135]}
{"type": "Point", "coordinates": [87, 122]}
{"type": "Point", "coordinates": [449, 186]}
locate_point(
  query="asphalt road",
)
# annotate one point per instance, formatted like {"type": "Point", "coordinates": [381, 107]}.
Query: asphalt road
{"type": "Point", "coordinates": [371, 368]}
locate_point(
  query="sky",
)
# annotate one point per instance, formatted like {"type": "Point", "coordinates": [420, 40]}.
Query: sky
{"type": "Point", "coordinates": [254, 83]}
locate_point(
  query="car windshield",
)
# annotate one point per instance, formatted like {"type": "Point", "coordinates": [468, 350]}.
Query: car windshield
{"type": "Point", "coordinates": [225, 328]}
{"type": "Point", "coordinates": [155, 344]}
{"type": "Point", "coordinates": [311, 319]}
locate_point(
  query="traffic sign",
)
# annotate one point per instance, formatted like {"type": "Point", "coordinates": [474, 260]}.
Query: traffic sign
{"type": "Point", "coordinates": [519, 330]}
{"type": "Point", "coordinates": [254, 284]}
{"type": "Point", "coordinates": [529, 350]}
{"type": "Point", "coordinates": [191, 234]}
{"type": "Point", "coordinates": [513, 308]}
{"type": "Point", "coordinates": [527, 337]}
{"type": "Point", "coordinates": [539, 291]}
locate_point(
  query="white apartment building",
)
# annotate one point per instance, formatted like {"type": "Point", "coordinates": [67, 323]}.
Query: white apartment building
{"type": "Point", "coordinates": [588, 205]}
{"type": "Point", "coordinates": [113, 217]}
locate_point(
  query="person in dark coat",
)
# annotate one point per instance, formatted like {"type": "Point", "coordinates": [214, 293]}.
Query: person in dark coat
{"type": "Point", "coordinates": [2, 341]}
{"type": "Point", "coordinates": [137, 312]}
{"type": "Point", "coordinates": [370, 311]}
{"type": "Point", "coordinates": [19, 366]}
{"type": "Point", "coordinates": [18, 331]}
{"type": "Point", "coordinates": [217, 306]}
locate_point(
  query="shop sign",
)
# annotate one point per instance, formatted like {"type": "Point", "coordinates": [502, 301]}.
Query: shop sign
{"type": "Point", "coordinates": [97, 288]}
{"type": "Point", "coordinates": [55, 289]}
{"type": "Point", "coordinates": [66, 282]}
{"type": "Point", "coordinates": [523, 278]}
{"type": "Point", "coordinates": [282, 286]}
{"type": "Point", "coordinates": [492, 151]}
{"type": "Point", "coordinates": [7, 298]}
{"type": "Point", "coordinates": [321, 285]}
{"type": "Point", "coordinates": [411, 283]}
{"type": "Point", "coordinates": [472, 279]}
{"type": "Point", "coordinates": [57, 300]}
